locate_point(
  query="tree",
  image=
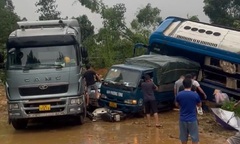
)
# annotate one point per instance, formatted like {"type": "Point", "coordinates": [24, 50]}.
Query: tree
{"type": "Point", "coordinates": [24, 19]}
{"type": "Point", "coordinates": [47, 10]}
{"type": "Point", "coordinates": [224, 12]}
{"type": "Point", "coordinates": [193, 18]}
{"type": "Point", "coordinates": [114, 41]}
{"type": "Point", "coordinates": [9, 5]}
{"type": "Point", "coordinates": [147, 19]}
{"type": "Point", "coordinates": [8, 21]}
{"type": "Point", "coordinates": [86, 27]}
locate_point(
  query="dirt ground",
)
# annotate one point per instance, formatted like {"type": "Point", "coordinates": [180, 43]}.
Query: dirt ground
{"type": "Point", "coordinates": [126, 132]}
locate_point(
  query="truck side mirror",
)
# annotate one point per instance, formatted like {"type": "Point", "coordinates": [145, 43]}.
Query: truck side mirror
{"type": "Point", "coordinates": [140, 83]}
{"type": "Point", "coordinates": [84, 52]}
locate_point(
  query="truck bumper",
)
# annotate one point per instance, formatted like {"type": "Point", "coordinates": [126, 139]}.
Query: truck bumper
{"type": "Point", "coordinates": [46, 108]}
{"type": "Point", "coordinates": [126, 108]}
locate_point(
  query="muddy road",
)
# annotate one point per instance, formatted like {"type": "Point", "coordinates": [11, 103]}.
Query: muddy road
{"type": "Point", "coordinates": [130, 131]}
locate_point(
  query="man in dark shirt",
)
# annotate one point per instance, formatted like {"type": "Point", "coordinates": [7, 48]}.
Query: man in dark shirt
{"type": "Point", "coordinates": [150, 103]}
{"type": "Point", "coordinates": [90, 77]}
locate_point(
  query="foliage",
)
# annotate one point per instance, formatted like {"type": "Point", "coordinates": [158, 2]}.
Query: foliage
{"type": "Point", "coordinates": [8, 23]}
{"type": "Point", "coordinates": [149, 17]}
{"type": "Point", "coordinates": [114, 42]}
{"type": "Point", "coordinates": [193, 18]}
{"type": "Point", "coordinates": [229, 106]}
{"type": "Point", "coordinates": [47, 10]}
{"type": "Point", "coordinates": [224, 12]}
{"type": "Point", "coordinates": [86, 27]}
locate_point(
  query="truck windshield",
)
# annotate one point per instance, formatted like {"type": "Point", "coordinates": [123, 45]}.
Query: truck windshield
{"type": "Point", "coordinates": [125, 77]}
{"type": "Point", "coordinates": [42, 57]}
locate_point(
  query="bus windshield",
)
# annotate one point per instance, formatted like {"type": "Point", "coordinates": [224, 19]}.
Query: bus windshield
{"type": "Point", "coordinates": [42, 57]}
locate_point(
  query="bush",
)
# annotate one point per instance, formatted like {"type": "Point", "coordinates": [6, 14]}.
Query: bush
{"type": "Point", "coordinates": [229, 106]}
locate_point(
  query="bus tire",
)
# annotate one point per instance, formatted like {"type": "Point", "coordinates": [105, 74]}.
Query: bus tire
{"type": "Point", "coordinates": [20, 124]}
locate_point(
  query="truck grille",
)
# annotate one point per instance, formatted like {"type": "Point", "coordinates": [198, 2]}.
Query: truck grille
{"type": "Point", "coordinates": [51, 89]}
{"type": "Point", "coordinates": [34, 107]}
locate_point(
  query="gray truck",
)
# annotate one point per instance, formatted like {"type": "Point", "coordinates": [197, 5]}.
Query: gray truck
{"type": "Point", "coordinates": [44, 71]}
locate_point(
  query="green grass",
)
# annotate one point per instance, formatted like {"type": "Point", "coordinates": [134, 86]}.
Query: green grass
{"type": "Point", "coordinates": [229, 106]}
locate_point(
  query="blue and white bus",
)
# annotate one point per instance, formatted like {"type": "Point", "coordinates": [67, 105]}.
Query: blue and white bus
{"type": "Point", "coordinates": [215, 48]}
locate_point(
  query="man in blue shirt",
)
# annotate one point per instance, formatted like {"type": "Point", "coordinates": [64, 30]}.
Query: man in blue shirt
{"type": "Point", "coordinates": [187, 101]}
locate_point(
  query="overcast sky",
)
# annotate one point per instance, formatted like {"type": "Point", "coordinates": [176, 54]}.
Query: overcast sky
{"type": "Point", "coordinates": [26, 8]}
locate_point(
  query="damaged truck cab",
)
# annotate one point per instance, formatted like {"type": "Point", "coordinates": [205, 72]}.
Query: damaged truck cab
{"type": "Point", "coordinates": [43, 71]}
{"type": "Point", "coordinates": [121, 88]}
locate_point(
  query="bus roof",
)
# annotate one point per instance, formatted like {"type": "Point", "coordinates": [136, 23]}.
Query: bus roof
{"type": "Point", "coordinates": [198, 37]}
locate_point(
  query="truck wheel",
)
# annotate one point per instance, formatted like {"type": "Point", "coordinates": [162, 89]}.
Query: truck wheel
{"type": "Point", "coordinates": [80, 119]}
{"type": "Point", "coordinates": [141, 113]}
{"type": "Point", "coordinates": [20, 124]}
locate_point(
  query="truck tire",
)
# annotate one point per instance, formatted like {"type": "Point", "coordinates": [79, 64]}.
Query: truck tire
{"type": "Point", "coordinates": [141, 113]}
{"type": "Point", "coordinates": [20, 124]}
{"type": "Point", "coordinates": [80, 119]}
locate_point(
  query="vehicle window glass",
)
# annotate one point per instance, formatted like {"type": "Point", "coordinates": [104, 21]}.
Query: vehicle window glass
{"type": "Point", "coordinates": [126, 77]}
{"type": "Point", "coordinates": [42, 57]}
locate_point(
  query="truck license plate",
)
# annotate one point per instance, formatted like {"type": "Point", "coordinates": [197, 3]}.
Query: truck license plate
{"type": "Point", "coordinates": [113, 104]}
{"type": "Point", "coordinates": [44, 107]}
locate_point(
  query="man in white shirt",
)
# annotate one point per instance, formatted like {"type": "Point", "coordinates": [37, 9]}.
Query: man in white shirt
{"type": "Point", "coordinates": [198, 88]}
{"type": "Point", "coordinates": [177, 84]}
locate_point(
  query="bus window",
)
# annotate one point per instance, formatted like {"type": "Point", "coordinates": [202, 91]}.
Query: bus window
{"type": "Point", "coordinates": [238, 68]}
{"type": "Point", "coordinates": [231, 83]}
{"type": "Point", "coordinates": [238, 85]}
{"type": "Point", "coordinates": [214, 77]}
{"type": "Point", "coordinates": [212, 62]}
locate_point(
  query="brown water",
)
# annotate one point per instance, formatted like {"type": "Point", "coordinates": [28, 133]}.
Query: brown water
{"type": "Point", "coordinates": [131, 131]}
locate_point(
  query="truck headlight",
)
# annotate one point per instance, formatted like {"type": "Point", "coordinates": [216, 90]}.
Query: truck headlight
{"type": "Point", "coordinates": [76, 101]}
{"type": "Point", "coordinates": [13, 106]}
{"type": "Point", "coordinates": [130, 101]}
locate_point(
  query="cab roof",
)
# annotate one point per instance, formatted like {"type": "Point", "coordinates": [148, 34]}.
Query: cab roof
{"type": "Point", "coordinates": [49, 27]}
{"type": "Point", "coordinates": [133, 67]}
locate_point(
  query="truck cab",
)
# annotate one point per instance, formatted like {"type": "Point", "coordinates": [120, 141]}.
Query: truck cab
{"type": "Point", "coordinates": [121, 88]}
{"type": "Point", "coordinates": [43, 71]}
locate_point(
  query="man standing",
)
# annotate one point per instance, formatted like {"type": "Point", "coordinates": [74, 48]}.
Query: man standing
{"type": "Point", "coordinates": [198, 87]}
{"type": "Point", "coordinates": [90, 77]}
{"type": "Point", "coordinates": [150, 103]}
{"type": "Point", "coordinates": [177, 84]}
{"type": "Point", "coordinates": [187, 100]}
